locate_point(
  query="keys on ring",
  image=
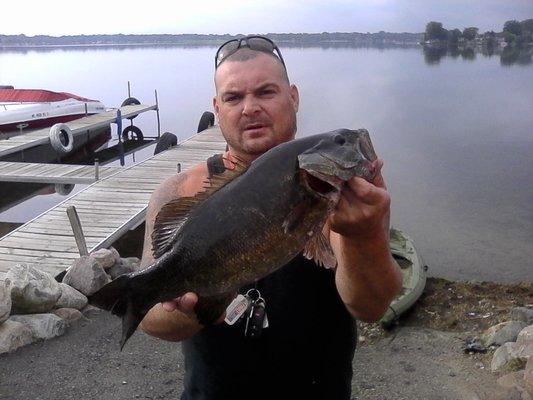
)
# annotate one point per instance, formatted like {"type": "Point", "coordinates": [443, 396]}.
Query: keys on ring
{"type": "Point", "coordinates": [252, 307]}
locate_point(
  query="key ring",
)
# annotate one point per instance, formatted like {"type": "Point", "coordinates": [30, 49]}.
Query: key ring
{"type": "Point", "coordinates": [256, 295]}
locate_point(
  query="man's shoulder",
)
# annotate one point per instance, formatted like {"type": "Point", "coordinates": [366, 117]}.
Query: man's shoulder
{"type": "Point", "coordinates": [184, 184]}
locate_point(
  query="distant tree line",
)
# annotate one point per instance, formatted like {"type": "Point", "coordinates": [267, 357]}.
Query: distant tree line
{"type": "Point", "coordinates": [514, 32]}
{"type": "Point", "coordinates": [295, 39]}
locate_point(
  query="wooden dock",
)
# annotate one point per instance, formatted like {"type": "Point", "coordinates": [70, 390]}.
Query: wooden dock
{"type": "Point", "coordinates": [79, 126]}
{"type": "Point", "coordinates": [53, 173]}
{"type": "Point", "coordinates": [107, 209]}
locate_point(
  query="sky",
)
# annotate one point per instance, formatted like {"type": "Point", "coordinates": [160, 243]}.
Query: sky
{"type": "Point", "coordinates": [65, 17]}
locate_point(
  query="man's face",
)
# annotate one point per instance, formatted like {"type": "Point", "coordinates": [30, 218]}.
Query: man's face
{"type": "Point", "coordinates": [255, 105]}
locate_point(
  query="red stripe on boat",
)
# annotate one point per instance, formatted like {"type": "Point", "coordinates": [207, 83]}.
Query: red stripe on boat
{"type": "Point", "coordinates": [36, 95]}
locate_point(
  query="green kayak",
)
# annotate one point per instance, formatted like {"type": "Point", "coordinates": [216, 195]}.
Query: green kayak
{"type": "Point", "coordinates": [414, 276]}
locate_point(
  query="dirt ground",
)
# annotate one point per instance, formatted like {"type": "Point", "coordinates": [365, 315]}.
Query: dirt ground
{"type": "Point", "coordinates": [468, 307]}
{"type": "Point", "coordinates": [421, 358]}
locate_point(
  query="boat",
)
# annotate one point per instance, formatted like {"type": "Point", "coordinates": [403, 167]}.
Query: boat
{"type": "Point", "coordinates": [414, 274]}
{"type": "Point", "coordinates": [22, 109]}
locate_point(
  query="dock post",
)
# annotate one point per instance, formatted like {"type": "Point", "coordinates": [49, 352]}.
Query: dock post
{"type": "Point", "coordinates": [119, 125]}
{"type": "Point", "coordinates": [96, 169]}
{"type": "Point", "coordinates": [75, 224]}
{"type": "Point", "coordinates": [120, 141]}
{"type": "Point", "coordinates": [157, 112]}
{"type": "Point", "coordinates": [179, 167]}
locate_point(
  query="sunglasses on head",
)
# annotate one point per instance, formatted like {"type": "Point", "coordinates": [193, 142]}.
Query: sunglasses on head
{"type": "Point", "coordinates": [257, 43]}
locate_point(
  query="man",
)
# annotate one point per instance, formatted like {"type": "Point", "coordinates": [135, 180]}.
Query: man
{"type": "Point", "coordinates": [307, 350]}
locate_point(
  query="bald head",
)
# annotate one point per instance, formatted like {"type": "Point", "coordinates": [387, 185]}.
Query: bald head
{"type": "Point", "coordinates": [245, 54]}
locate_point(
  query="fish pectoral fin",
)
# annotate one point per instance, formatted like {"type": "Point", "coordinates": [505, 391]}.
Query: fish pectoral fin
{"type": "Point", "coordinates": [210, 309]}
{"type": "Point", "coordinates": [295, 217]}
{"type": "Point", "coordinates": [319, 250]}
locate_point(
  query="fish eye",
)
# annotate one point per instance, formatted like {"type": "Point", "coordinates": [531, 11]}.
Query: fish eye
{"type": "Point", "coordinates": [339, 139]}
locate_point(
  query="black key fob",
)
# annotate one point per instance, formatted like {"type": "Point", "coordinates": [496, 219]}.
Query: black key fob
{"type": "Point", "coordinates": [255, 321]}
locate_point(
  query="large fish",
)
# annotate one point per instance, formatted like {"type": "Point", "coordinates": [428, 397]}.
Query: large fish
{"type": "Point", "coordinates": [248, 222]}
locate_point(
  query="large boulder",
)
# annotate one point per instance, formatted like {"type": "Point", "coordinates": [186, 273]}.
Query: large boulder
{"type": "Point", "coordinates": [70, 298]}
{"type": "Point", "coordinates": [14, 335]}
{"type": "Point", "coordinates": [86, 275]}
{"type": "Point", "coordinates": [42, 326]}
{"type": "Point", "coordinates": [522, 314]}
{"type": "Point", "coordinates": [106, 257]}
{"type": "Point", "coordinates": [32, 291]}
{"type": "Point", "coordinates": [503, 333]}
{"type": "Point", "coordinates": [5, 300]}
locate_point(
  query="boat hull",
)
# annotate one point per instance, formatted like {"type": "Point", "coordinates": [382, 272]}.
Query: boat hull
{"type": "Point", "coordinates": [29, 109]}
{"type": "Point", "coordinates": [6, 129]}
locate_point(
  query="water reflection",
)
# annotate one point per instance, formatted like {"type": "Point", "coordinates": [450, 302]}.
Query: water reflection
{"type": "Point", "coordinates": [214, 44]}
{"type": "Point", "coordinates": [516, 55]}
{"type": "Point", "coordinates": [509, 55]}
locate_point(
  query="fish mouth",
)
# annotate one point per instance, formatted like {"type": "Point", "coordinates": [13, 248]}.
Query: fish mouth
{"type": "Point", "coordinates": [321, 184]}
{"type": "Point", "coordinates": [326, 185]}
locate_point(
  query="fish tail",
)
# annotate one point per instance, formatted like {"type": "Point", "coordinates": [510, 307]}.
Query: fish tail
{"type": "Point", "coordinates": [116, 298]}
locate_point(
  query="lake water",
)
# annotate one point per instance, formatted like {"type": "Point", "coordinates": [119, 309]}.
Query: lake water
{"type": "Point", "coordinates": [456, 132]}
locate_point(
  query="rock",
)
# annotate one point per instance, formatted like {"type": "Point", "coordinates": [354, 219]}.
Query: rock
{"type": "Point", "coordinates": [525, 336]}
{"type": "Point", "coordinates": [522, 314]}
{"type": "Point", "coordinates": [5, 301]}
{"type": "Point", "coordinates": [121, 268]}
{"type": "Point", "coordinates": [511, 356]}
{"type": "Point", "coordinates": [502, 356]}
{"type": "Point", "coordinates": [68, 314]}
{"type": "Point", "coordinates": [32, 291]}
{"type": "Point", "coordinates": [131, 263]}
{"type": "Point", "coordinates": [86, 275]}
{"type": "Point", "coordinates": [70, 298]}
{"type": "Point", "coordinates": [528, 376]}
{"type": "Point", "coordinates": [105, 257]}
{"type": "Point", "coordinates": [14, 335]}
{"type": "Point", "coordinates": [503, 333]}
{"type": "Point", "coordinates": [115, 254]}
{"type": "Point", "coordinates": [42, 326]}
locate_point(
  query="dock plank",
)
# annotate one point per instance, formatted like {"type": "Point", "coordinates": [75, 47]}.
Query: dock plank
{"type": "Point", "coordinates": [52, 173]}
{"type": "Point", "coordinates": [107, 208]}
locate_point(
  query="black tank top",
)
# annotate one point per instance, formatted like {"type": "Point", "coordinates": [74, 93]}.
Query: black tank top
{"type": "Point", "coordinates": [305, 353]}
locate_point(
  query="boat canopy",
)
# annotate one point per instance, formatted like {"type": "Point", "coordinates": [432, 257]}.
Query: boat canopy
{"type": "Point", "coordinates": [36, 96]}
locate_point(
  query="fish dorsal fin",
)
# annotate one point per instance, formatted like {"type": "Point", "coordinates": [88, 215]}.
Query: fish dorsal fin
{"type": "Point", "coordinates": [319, 250]}
{"type": "Point", "coordinates": [175, 213]}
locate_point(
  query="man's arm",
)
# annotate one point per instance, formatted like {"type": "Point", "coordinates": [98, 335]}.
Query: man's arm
{"type": "Point", "coordinates": [367, 276]}
{"type": "Point", "coordinates": [174, 320]}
